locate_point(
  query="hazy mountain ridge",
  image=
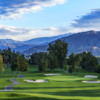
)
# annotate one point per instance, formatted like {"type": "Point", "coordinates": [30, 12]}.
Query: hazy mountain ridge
{"type": "Point", "coordinates": [85, 41]}
{"type": "Point", "coordinates": [14, 45]}
{"type": "Point", "coordinates": [77, 43]}
{"type": "Point", "coordinates": [44, 40]}
{"type": "Point", "coordinates": [25, 45]}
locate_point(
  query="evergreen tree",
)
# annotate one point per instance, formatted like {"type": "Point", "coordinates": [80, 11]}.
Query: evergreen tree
{"type": "Point", "coordinates": [97, 69]}
{"type": "Point", "coordinates": [15, 63]}
{"type": "Point", "coordinates": [1, 64]}
{"type": "Point", "coordinates": [52, 61]}
{"type": "Point", "coordinates": [58, 50]}
{"type": "Point", "coordinates": [74, 61]}
{"type": "Point", "coordinates": [35, 58]}
{"type": "Point", "coordinates": [19, 63]}
{"type": "Point", "coordinates": [23, 65]}
{"type": "Point", "coordinates": [89, 62]}
{"type": "Point", "coordinates": [71, 60]}
{"type": "Point", "coordinates": [43, 62]}
{"type": "Point", "coordinates": [9, 54]}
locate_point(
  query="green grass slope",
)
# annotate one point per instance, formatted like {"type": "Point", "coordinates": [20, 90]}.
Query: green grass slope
{"type": "Point", "coordinates": [63, 87]}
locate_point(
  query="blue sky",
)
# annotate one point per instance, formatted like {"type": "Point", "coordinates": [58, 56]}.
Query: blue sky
{"type": "Point", "coordinates": [27, 19]}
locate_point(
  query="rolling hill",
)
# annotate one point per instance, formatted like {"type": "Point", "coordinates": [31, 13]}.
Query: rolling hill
{"type": "Point", "coordinates": [25, 45]}
{"type": "Point", "coordinates": [77, 43]}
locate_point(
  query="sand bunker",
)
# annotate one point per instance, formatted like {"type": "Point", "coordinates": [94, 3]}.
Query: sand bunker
{"type": "Point", "coordinates": [91, 81]}
{"type": "Point", "coordinates": [51, 74]}
{"type": "Point", "coordinates": [36, 81]}
{"type": "Point", "coordinates": [30, 81]}
{"type": "Point", "coordinates": [90, 76]}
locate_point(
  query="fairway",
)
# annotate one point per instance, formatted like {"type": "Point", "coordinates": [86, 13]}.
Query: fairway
{"type": "Point", "coordinates": [61, 87]}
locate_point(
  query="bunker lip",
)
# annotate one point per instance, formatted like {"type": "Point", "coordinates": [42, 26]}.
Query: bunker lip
{"type": "Point", "coordinates": [52, 74]}
{"type": "Point", "coordinates": [90, 76]}
{"type": "Point", "coordinates": [36, 81]}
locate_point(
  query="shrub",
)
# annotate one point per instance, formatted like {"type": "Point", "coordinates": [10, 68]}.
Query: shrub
{"type": "Point", "coordinates": [70, 69]}
{"type": "Point", "coordinates": [98, 68]}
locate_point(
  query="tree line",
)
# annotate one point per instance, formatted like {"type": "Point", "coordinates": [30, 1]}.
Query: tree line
{"type": "Point", "coordinates": [55, 58]}
{"type": "Point", "coordinates": [12, 59]}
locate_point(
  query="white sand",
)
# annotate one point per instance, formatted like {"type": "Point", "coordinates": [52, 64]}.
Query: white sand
{"type": "Point", "coordinates": [30, 81]}
{"type": "Point", "coordinates": [90, 76]}
{"type": "Point", "coordinates": [91, 81]}
{"type": "Point", "coordinates": [41, 81]}
{"type": "Point", "coordinates": [51, 74]}
{"type": "Point", "coordinates": [37, 81]}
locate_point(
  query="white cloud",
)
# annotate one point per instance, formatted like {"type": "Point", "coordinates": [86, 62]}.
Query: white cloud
{"type": "Point", "coordinates": [21, 34]}
{"type": "Point", "coordinates": [90, 20]}
{"type": "Point", "coordinates": [10, 9]}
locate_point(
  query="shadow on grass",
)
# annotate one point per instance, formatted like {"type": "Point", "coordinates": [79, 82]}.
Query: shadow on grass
{"type": "Point", "coordinates": [86, 93]}
{"type": "Point", "coordinates": [24, 88]}
{"type": "Point", "coordinates": [37, 98]}
{"type": "Point", "coordinates": [29, 98]}
{"type": "Point", "coordinates": [19, 96]}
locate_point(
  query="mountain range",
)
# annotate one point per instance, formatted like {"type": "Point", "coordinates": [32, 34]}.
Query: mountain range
{"type": "Point", "coordinates": [25, 45]}
{"type": "Point", "coordinates": [77, 43]}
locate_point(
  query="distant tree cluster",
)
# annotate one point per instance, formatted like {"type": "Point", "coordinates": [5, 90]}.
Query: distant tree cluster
{"type": "Point", "coordinates": [57, 54]}
{"type": "Point", "coordinates": [83, 60]}
{"type": "Point", "coordinates": [89, 62]}
{"type": "Point", "coordinates": [54, 58]}
{"type": "Point", "coordinates": [7, 56]}
{"type": "Point", "coordinates": [1, 64]}
{"type": "Point", "coordinates": [19, 63]}
{"type": "Point", "coordinates": [74, 61]}
{"type": "Point", "coordinates": [14, 60]}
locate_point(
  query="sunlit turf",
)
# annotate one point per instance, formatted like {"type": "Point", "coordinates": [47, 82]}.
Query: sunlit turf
{"type": "Point", "coordinates": [63, 87]}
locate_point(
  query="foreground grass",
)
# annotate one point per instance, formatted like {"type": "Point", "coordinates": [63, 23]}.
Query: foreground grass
{"type": "Point", "coordinates": [63, 87]}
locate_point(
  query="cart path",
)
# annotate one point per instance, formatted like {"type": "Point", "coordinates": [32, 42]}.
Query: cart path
{"type": "Point", "coordinates": [9, 87]}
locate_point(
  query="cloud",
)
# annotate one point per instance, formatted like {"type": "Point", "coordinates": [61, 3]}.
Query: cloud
{"type": "Point", "coordinates": [21, 34]}
{"type": "Point", "coordinates": [90, 20]}
{"type": "Point", "coordinates": [10, 9]}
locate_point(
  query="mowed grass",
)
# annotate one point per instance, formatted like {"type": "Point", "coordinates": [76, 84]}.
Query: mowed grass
{"type": "Point", "coordinates": [63, 87]}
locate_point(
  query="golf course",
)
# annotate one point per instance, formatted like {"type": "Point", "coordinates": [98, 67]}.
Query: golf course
{"type": "Point", "coordinates": [57, 87]}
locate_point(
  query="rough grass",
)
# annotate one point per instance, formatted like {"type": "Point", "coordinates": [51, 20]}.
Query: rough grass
{"type": "Point", "coordinates": [63, 87]}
